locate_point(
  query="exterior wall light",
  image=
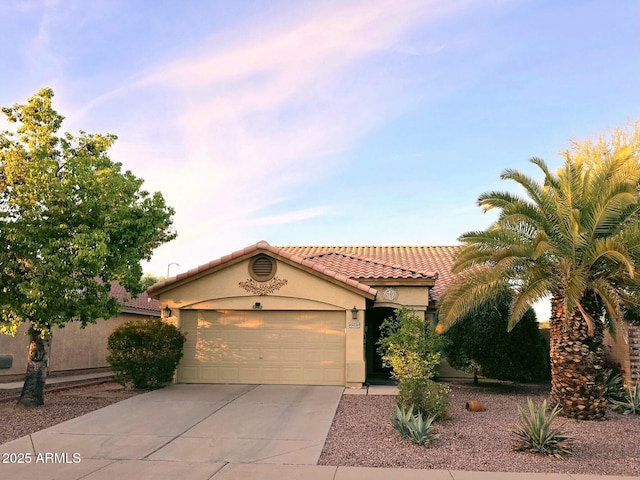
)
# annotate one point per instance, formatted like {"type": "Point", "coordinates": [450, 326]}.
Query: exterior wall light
{"type": "Point", "coordinates": [166, 312]}
{"type": "Point", "coordinates": [354, 313]}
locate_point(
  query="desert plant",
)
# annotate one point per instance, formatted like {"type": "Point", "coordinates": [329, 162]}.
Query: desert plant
{"type": "Point", "coordinates": [402, 419]}
{"type": "Point", "coordinates": [145, 354]}
{"type": "Point", "coordinates": [614, 383]}
{"type": "Point", "coordinates": [426, 396]}
{"type": "Point", "coordinates": [630, 404]}
{"type": "Point", "coordinates": [414, 426]}
{"type": "Point", "coordinates": [535, 433]}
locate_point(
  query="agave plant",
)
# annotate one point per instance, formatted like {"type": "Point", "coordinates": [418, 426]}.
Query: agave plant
{"type": "Point", "coordinates": [414, 426]}
{"type": "Point", "coordinates": [420, 431]}
{"type": "Point", "coordinates": [402, 419]}
{"type": "Point", "coordinates": [535, 433]}
{"type": "Point", "coordinates": [614, 383]}
{"type": "Point", "coordinates": [630, 405]}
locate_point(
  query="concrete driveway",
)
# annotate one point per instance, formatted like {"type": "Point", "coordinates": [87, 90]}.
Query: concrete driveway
{"type": "Point", "coordinates": [182, 431]}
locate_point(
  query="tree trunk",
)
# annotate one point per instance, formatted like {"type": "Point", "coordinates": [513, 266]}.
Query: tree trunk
{"type": "Point", "coordinates": [33, 389]}
{"type": "Point", "coordinates": [577, 382]}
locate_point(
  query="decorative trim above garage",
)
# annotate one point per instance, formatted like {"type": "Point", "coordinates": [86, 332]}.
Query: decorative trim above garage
{"type": "Point", "coordinates": [263, 288]}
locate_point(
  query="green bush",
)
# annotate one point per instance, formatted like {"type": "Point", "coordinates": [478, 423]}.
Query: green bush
{"type": "Point", "coordinates": [427, 397]}
{"type": "Point", "coordinates": [145, 354]}
{"type": "Point", "coordinates": [409, 346]}
{"type": "Point", "coordinates": [481, 343]}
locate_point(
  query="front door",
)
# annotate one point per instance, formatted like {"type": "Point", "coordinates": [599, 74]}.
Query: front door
{"type": "Point", "coordinates": [373, 320]}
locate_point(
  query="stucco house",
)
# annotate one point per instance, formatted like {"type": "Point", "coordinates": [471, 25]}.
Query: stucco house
{"type": "Point", "coordinates": [297, 315]}
{"type": "Point", "coordinates": [74, 348]}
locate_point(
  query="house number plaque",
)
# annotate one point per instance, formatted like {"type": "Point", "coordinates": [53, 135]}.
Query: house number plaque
{"type": "Point", "coordinates": [354, 324]}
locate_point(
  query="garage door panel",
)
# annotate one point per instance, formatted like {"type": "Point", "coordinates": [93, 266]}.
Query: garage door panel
{"type": "Point", "coordinates": [263, 347]}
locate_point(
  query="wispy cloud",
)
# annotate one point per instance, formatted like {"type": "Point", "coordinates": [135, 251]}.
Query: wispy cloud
{"type": "Point", "coordinates": [245, 118]}
{"type": "Point", "coordinates": [292, 216]}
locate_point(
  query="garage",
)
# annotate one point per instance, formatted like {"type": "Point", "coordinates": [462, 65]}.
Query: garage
{"type": "Point", "coordinates": [264, 315]}
{"type": "Point", "coordinates": [268, 347]}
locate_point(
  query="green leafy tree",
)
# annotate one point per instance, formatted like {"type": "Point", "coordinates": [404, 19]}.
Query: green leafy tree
{"type": "Point", "coordinates": [481, 343]}
{"type": "Point", "coordinates": [573, 238]}
{"type": "Point", "coordinates": [71, 222]}
{"type": "Point", "coordinates": [149, 279]}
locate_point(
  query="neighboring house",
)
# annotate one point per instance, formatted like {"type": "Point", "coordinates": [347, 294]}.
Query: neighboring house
{"type": "Point", "coordinates": [74, 348]}
{"type": "Point", "coordinates": [623, 350]}
{"type": "Point", "coordinates": [298, 315]}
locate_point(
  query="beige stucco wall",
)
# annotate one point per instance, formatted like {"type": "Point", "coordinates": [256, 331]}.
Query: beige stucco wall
{"type": "Point", "coordinates": [221, 290]}
{"type": "Point", "coordinates": [394, 296]}
{"type": "Point", "coordinates": [72, 348]}
{"type": "Point", "coordinates": [303, 291]}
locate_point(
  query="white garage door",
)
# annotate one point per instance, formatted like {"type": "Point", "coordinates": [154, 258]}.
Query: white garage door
{"type": "Point", "coordinates": [306, 348]}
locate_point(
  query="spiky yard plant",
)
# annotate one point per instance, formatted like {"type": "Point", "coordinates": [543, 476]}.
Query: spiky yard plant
{"type": "Point", "coordinates": [402, 419]}
{"type": "Point", "coordinates": [614, 384]}
{"type": "Point", "coordinates": [630, 404]}
{"type": "Point", "coordinates": [535, 434]}
{"type": "Point", "coordinates": [414, 426]}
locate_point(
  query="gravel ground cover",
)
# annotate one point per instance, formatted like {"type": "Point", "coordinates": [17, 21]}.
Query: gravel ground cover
{"type": "Point", "coordinates": [362, 435]}
{"type": "Point", "coordinates": [60, 406]}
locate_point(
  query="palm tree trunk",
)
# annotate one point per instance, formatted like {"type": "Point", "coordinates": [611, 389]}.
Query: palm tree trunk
{"type": "Point", "coordinates": [577, 383]}
{"type": "Point", "coordinates": [33, 389]}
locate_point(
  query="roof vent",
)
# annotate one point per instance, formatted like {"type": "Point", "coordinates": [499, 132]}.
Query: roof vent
{"type": "Point", "coordinates": [262, 268]}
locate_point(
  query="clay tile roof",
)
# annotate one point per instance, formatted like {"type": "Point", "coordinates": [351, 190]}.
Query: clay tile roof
{"type": "Point", "coordinates": [142, 304]}
{"type": "Point", "coordinates": [354, 266]}
{"type": "Point", "coordinates": [428, 260]}
{"type": "Point", "coordinates": [264, 246]}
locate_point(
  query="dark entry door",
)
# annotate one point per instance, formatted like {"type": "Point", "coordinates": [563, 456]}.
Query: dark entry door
{"type": "Point", "coordinates": [373, 319]}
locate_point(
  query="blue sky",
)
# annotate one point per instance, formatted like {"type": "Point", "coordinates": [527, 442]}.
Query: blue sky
{"type": "Point", "coordinates": [326, 122]}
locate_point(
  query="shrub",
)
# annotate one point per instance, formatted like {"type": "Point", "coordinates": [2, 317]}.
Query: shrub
{"type": "Point", "coordinates": [424, 396]}
{"type": "Point", "coordinates": [409, 346]}
{"type": "Point", "coordinates": [145, 353]}
{"type": "Point", "coordinates": [536, 435]}
{"type": "Point", "coordinates": [481, 343]}
{"type": "Point", "coordinates": [414, 426]}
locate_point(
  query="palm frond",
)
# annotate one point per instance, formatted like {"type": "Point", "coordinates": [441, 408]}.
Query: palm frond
{"type": "Point", "coordinates": [468, 293]}
{"type": "Point", "coordinates": [491, 200]}
{"type": "Point", "coordinates": [537, 286]}
{"type": "Point", "coordinates": [549, 180]}
{"type": "Point", "coordinates": [613, 212]}
{"type": "Point", "coordinates": [610, 249]}
{"type": "Point", "coordinates": [531, 186]}
{"type": "Point", "coordinates": [609, 297]}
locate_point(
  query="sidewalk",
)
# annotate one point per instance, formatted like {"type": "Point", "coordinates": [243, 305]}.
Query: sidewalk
{"type": "Point", "coordinates": [57, 380]}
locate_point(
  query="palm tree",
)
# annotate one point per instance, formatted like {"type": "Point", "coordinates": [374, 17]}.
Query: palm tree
{"type": "Point", "coordinates": [572, 238]}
